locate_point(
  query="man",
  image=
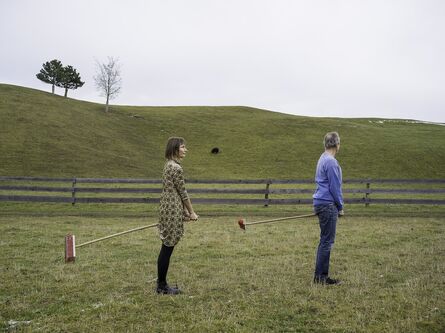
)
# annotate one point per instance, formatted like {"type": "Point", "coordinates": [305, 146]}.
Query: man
{"type": "Point", "coordinates": [328, 205]}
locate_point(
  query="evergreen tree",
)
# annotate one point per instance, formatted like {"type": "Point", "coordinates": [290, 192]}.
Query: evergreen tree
{"type": "Point", "coordinates": [51, 72]}
{"type": "Point", "coordinates": [69, 79]}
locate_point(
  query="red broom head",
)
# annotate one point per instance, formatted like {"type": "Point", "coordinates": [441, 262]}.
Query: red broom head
{"type": "Point", "coordinates": [70, 248]}
{"type": "Point", "coordinates": [241, 224]}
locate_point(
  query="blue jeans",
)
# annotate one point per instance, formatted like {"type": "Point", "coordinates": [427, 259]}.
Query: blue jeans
{"type": "Point", "coordinates": [327, 217]}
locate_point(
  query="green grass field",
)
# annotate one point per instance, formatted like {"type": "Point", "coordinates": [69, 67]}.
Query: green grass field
{"type": "Point", "coordinates": [48, 135]}
{"type": "Point", "coordinates": [233, 281]}
{"type": "Point", "coordinates": [390, 257]}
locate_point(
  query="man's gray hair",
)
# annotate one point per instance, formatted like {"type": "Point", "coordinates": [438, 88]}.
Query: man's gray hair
{"type": "Point", "coordinates": [331, 140]}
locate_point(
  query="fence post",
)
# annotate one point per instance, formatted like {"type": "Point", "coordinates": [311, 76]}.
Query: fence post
{"type": "Point", "coordinates": [367, 198]}
{"type": "Point", "coordinates": [266, 195]}
{"type": "Point", "coordinates": [73, 192]}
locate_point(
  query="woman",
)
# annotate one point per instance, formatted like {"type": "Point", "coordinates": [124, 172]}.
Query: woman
{"type": "Point", "coordinates": [174, 208]}
{"type": "Point", "coordinates": [328, 205]}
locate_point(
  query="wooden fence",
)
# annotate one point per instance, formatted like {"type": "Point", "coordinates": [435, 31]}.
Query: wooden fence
{"type": "Point", "coordinates": [263, 192]}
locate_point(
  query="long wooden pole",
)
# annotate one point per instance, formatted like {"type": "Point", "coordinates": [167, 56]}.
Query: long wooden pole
{"type": "Point", "coordinates": [243, 224]}
{"type": "Point", "coordinates": [280, 219]}
{"type": "Point", "coordinates": [118, 234]}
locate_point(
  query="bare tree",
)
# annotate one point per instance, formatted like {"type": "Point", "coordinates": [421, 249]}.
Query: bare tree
{"type": "Point", "coordinates": [108, 79]}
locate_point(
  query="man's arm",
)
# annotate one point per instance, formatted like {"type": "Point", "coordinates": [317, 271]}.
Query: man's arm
{"type": "Point", "coordinates": [334, 177]}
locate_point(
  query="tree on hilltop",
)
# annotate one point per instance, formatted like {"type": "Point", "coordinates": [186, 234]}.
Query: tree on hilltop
{"type": "Point", "coordinates": [108, 79]}
{"type": "Point", "coordinates": [50, 72]}
{"type": "Point", "coordinates": [69, 79]}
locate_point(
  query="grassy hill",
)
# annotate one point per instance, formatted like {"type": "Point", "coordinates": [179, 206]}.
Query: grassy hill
{"type": "Point", "coordinates": [47, 135]}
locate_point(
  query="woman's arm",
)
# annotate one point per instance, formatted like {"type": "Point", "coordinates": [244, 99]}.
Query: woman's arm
{"type": "Point", "coordinates": [189, 207]}
{"type": "Point", "coordinates": [179, 182]}
{"type": "Point", "coordinates": [177, 177]}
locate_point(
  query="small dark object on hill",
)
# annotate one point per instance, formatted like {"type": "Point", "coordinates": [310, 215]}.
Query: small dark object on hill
{"type": "Point", "coordinates": [136, 116]}
{"type": "Point", "coordinates": [215, 150]}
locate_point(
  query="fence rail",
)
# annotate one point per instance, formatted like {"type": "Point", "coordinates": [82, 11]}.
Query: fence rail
{"type": "Point", "coordinates": [273, 192]}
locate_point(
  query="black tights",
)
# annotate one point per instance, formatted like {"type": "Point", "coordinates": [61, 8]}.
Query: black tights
{"type": "Point", "coordinates": [163, 263]}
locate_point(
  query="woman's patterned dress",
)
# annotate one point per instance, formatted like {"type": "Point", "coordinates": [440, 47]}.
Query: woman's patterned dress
{"type": "Point", "coordinates": [171, 207]}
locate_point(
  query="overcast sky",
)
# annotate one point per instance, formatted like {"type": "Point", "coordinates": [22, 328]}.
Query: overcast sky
{"type": "Point", "coordinates": [356, 58]}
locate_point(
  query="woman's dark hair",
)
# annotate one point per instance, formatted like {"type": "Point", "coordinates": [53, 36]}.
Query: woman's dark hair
{"type": "Point", "coordinates": [172, 148]}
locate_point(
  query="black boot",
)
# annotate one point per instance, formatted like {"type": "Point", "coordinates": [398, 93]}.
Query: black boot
{"type": "Point", "coordinates": [326, 280]}
{"type": "Point", "coordinates": [165, 289]}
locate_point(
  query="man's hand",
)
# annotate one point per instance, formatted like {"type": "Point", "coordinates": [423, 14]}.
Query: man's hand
{"type": "Point", "coordinates": [341, 213]}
